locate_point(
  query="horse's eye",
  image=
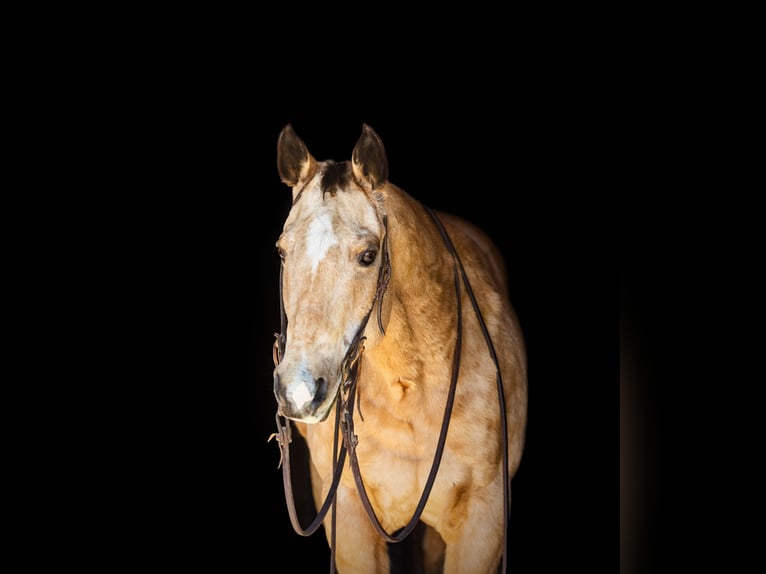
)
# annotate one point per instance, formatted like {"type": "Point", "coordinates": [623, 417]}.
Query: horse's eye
{"type": "Point", "coordinates": [368, 257]}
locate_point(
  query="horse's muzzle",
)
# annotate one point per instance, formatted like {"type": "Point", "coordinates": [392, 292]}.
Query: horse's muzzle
{"type": "Point", "coordinates": [302, 400]}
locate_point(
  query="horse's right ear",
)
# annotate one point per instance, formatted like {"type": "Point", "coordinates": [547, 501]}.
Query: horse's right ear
{"type": "Point", "coordinates": [368, 160]}
{"type": "Point", "coordinates": [295, 163]}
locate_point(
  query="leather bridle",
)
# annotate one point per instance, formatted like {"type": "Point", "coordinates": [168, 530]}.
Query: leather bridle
{"type": "Point", "coordinates": [344, 411]}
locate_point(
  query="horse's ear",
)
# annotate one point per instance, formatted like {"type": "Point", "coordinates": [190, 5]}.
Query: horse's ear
{"type": "Point", "coordinates": [368, 161]}
{"type": "Point", "coordinates": [294, 161]}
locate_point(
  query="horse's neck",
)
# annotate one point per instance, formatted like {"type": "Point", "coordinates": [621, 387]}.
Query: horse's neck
{"type": "Point", "coordinates": [421, 293]}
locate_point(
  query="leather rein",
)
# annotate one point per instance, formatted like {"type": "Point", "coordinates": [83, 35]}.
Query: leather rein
{"type": "Point", "coordinates": [344, 411]}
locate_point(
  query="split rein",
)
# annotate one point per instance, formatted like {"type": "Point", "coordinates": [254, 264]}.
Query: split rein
{"type": "Point", "coordinates": [344, 411]}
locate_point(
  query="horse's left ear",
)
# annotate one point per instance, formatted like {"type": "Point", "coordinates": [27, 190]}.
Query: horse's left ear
{"type": "Point", "coordinates": [368, 161]}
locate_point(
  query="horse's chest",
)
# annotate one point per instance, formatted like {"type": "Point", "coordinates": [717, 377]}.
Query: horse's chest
{"type": "Point", "coordinates": [395, 483]}
{"type": "Point", "coordinates": [394, 458]}
{"type": "Point", "coordinates": [392, 483]}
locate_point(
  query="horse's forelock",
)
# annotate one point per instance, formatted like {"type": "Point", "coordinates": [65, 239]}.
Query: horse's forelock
{"type": "Point", "coordinates": [339, 176]}
{"type": "Point", "coordinates": [336, 177]}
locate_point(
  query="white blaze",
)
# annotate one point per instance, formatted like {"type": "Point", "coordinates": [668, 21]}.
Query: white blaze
{"type": "Point", "coordinates": [319, 239]}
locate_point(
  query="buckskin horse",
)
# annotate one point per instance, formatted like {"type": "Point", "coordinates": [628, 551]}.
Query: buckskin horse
{"type": "Point", "coordinates": [399, 317]}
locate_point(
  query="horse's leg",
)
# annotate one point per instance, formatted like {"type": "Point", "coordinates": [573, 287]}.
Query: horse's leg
{"type": "Point", "coordinates": [359, 549]}
{"type": "Point", "coordinates": [433, 552]}
{"type": "Point", "coordinates": [474, 536]}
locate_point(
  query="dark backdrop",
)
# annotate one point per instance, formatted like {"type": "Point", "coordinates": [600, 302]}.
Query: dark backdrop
{"type": "Point", "coordinates": [502, 116]}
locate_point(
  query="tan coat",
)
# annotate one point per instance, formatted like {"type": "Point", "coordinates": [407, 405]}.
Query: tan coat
{"type": "Point", "coordinates": [332, 247]}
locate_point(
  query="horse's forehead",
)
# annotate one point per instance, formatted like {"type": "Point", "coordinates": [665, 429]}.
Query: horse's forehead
{"type": "Point", "coordinates": [342, 212]}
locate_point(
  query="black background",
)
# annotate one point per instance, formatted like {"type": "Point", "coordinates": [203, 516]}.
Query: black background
{"type": "Point", "coordinates": [502, 116]}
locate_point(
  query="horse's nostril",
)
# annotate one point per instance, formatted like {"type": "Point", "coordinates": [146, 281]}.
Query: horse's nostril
{"type": "Point", "coordinates": [321, 391]}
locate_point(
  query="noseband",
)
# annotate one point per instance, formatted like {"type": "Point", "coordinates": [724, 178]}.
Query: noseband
{"type": "Point", "coordinates": [344, 411]}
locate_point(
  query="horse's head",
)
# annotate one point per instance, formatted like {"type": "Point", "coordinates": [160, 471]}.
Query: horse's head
{"type": "Point", "coordinates": [332, 248]}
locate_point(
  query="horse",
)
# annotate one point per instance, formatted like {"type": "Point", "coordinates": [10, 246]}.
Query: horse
{"type": "Point", "coordinates": [430, 400]}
